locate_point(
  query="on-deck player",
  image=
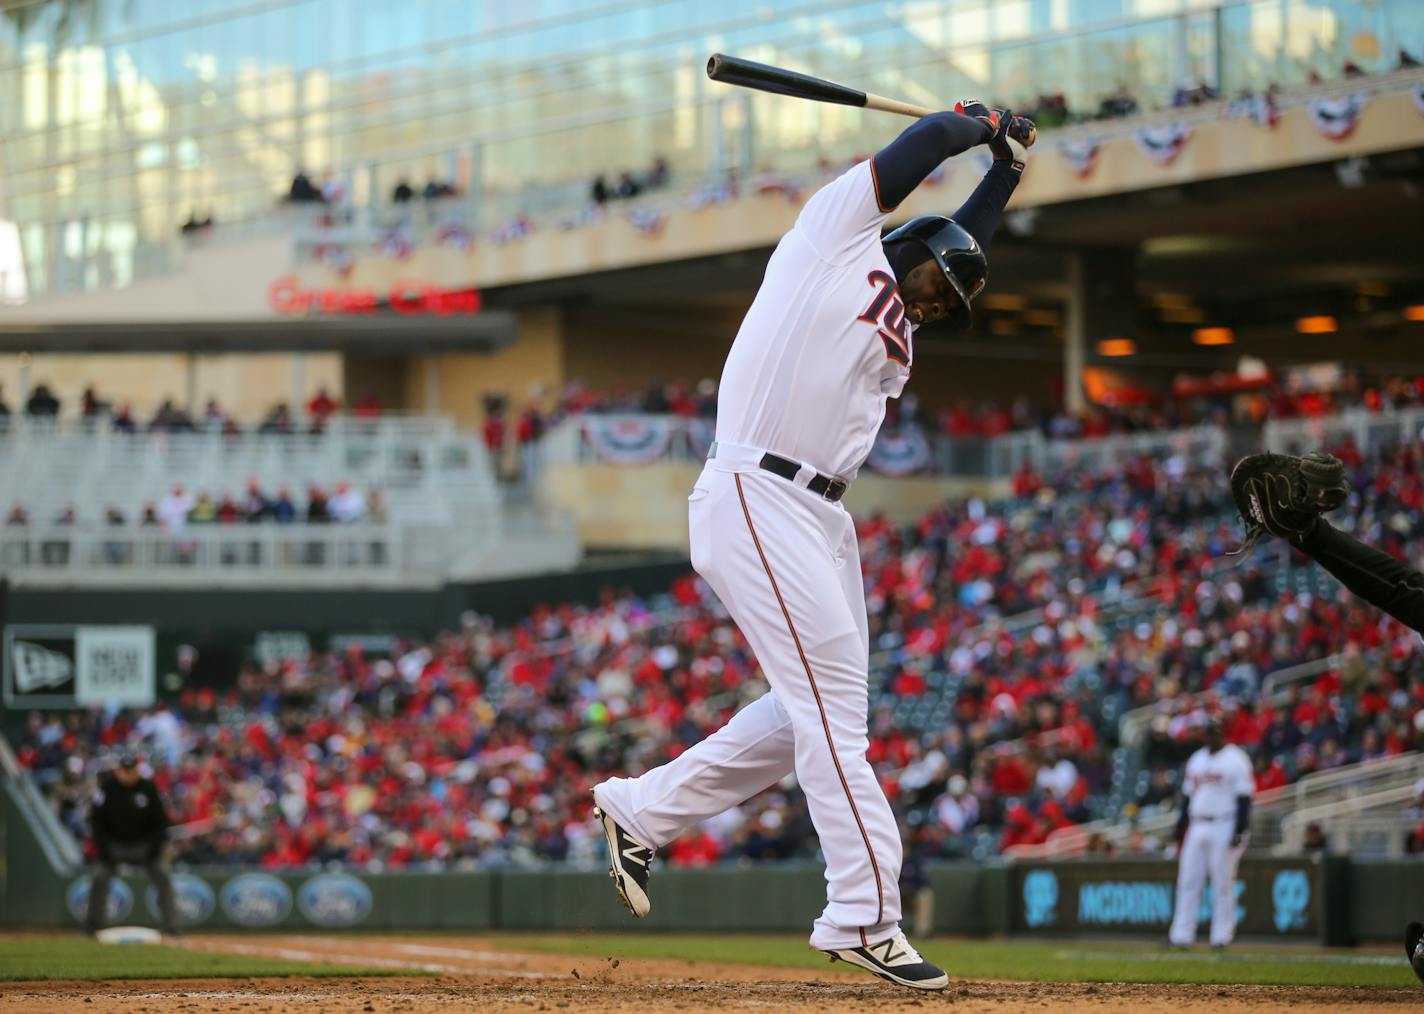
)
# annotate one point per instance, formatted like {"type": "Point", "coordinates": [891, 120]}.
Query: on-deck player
{"type": "Point", "coordinates": [829, 337]}
{"type": "Point", "coordinates": [1211, 836]}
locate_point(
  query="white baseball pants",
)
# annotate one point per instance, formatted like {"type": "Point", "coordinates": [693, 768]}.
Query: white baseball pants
{"type": "Point", "coordinates": [786, 564]}
{"type": "Point", "coordinates": [1207, 854]}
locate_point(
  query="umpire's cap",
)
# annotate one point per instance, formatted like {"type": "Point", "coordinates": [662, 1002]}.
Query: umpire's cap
{"type": "Point", "coordinates": [958, 254]}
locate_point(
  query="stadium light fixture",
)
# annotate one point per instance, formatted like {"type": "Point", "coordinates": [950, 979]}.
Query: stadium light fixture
{"type": "Point", "coordinates": [1117, 347]}
{"type": "Point", "coordinates": [1214, 336]}
{"type": "Point", "coordinates": [1317, 325]}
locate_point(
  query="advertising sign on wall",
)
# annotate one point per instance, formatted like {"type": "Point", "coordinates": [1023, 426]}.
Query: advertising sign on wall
{"type": "Point", "coordinates": [1274, 897]}
{"type": "Point", "coordinates": [64, 666]}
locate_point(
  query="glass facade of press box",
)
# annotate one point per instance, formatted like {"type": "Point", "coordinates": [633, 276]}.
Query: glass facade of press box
{"type": "Point", "coordinates": [118, 118]}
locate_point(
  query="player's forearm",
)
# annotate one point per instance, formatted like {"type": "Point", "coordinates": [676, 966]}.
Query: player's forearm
{"type": "Point", "coordinates": [980, 214]}
{"type": "Point", "coordinates": [1370, 573]}
{"type": "Point", "coordinates": [903, 164]}
{"type": "Point", "coordinates": [1243, 814]}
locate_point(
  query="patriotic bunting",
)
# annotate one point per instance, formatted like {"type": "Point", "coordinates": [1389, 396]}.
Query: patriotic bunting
{"type": "Point", "coordinates": [1081, 156]}
{"type": "Point", "coordinates": [1337, 116]}
{"type": "Point", "coordinates": [1165, 143]}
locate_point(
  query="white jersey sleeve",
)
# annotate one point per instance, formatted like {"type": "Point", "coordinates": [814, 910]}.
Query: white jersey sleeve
{"type": "Point", "coordinates": [844, 215]}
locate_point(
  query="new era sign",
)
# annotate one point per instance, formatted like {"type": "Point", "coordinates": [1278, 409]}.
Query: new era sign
{"type": "Point", "coordinates": [54, 666]}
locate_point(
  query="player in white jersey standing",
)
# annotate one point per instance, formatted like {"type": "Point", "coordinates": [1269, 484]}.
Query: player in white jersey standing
{"type": "Point", "coordinates": [827, 340]}
{"type": "Point", "coordinates": [1212, 834]}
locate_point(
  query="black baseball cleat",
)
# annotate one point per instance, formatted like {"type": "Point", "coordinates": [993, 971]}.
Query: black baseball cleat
{"type": "Point", "coordinates": [629, 864]}
{"type": "Point", "coordinates": [894, 960]}
{"type": "Point", "coordinates": [1414, 947]}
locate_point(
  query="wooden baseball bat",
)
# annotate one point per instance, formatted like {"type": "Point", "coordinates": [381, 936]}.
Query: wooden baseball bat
{"type": "Point", "coordinates": [750, 74]}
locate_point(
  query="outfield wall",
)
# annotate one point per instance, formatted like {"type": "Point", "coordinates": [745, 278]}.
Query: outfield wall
{"type": "Point", "coordinates": [1330, 901]}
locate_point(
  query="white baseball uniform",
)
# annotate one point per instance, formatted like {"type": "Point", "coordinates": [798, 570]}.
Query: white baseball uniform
{"type": "Point", "coordinates": [824, 344]}
{"type": "Point", "coordinates": [1212, 783]}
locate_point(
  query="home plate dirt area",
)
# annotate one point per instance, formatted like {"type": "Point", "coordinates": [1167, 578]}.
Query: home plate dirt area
{"type": "Point", "coordinates": [480, 974]}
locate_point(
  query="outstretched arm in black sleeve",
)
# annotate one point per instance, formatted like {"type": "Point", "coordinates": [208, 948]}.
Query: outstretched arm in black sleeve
{"type": "Point", "coordinates": [903, 164]}
{"type": "Point", "coordinates": [1370, 573]}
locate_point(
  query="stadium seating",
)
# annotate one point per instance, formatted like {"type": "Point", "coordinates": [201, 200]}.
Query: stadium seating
{"type": "Point", "coordinates": [478, 748]}
{"type": "Point", "coordinates": [89, 504]}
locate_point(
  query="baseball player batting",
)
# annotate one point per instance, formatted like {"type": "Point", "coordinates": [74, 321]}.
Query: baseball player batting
{"type": "Point", "coordinates": [1211, 833]}
{"type": "Point", "coordinates": [829, 337]}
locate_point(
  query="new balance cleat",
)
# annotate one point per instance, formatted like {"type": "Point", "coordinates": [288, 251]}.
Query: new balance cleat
{"type": "Point", "coordinates": [894, 960]}
{"type": "Point", "coordinates": [629, 864]}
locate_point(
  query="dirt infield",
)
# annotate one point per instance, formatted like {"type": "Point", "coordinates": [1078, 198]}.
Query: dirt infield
{"type": "Point", "coordinates": [471, 975]}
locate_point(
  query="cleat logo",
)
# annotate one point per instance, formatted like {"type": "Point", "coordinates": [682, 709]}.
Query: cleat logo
{"type": "Point", "coordinates": [635, 854]}
{"type": "Point", "coordinates": [891, 955]}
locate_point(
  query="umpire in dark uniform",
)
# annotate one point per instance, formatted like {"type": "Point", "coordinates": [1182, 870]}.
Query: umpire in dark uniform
{"type": "Point", "coordinates": [130, 827]}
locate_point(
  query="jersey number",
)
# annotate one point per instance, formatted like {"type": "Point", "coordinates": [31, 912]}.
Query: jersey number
{"type": "Point", "coordinates": [887, 312]}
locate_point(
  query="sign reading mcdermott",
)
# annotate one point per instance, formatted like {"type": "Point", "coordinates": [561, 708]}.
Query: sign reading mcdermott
{"type": "Point", "coordinates": [1274, 897]}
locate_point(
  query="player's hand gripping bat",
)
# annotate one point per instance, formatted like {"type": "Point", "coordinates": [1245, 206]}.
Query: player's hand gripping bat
{"type": "Point", "coordinates": [749, 74]}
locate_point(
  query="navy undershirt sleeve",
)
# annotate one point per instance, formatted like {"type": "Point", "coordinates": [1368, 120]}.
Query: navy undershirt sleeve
{"type": "Point", "coordinates": [903, 164]}
{"type": "Point", "coordinates": [980, 214]}
{"type": "Point", "coordinates": [1243, 814]}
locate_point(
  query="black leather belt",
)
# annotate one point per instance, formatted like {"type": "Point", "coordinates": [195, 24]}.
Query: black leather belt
{"type": "Point", "coordinates": [828, 487]}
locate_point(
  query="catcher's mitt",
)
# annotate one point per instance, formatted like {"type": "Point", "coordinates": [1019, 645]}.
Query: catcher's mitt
{"type": "Point", "coordinates": [1281, 495]}
{"type": "Point", "coordinates": [1413, 934]}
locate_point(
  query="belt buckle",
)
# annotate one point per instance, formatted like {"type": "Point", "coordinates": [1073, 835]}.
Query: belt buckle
{"type": "Point", "coordinates": [835, 489]}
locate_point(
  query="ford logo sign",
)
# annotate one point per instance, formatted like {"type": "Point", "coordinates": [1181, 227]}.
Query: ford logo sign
{"type": "Point", "coordinates": [334, 899]}
{"type": "Point", "coordinates": [192, 897]}
{"type": "Point", "coordinates": [121, 900]}
{"type": "Point", "coordinates": [256, 899]}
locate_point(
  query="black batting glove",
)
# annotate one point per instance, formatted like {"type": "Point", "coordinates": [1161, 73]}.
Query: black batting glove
{"type": "Point", "coordinates": [990, 117]}
{"type": "Point", "coordinates": [1002, 124]}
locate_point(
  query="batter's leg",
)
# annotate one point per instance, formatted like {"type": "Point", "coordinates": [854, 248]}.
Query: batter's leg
{"type": "Point", "coordinates": [1191, 877]}
{"type": "Point", "coordinates": [752, 752]}
{"type": "Point", "coordinates": [784, 587]}
{"type": "Point", "coordinates": [1224, 860]}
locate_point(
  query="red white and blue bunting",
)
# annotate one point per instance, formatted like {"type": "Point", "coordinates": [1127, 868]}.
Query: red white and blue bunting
{"type": "Point", "coordinates": [903, 452]}
{"type": "Point", "coordinates": [629, 439]}
{"type": "Point", "coordinates": [1163, 144]}
{"type": "Point", "coordinates": [1337, 116]}
{"type": "Point", "coordinates": [648, 221]}
{"type": "Point", "coordinates": [1081, 156]}
{"type": "Point", "coordinates": [700, 434]}
{"type": "Point", "coordinates": [1258, 107]}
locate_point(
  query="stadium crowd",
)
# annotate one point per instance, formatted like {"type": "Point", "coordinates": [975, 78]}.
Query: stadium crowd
{"type": "Point", "coordinates": [95, 410]}
{"type": "Point", "coordinates": [1007, 638]}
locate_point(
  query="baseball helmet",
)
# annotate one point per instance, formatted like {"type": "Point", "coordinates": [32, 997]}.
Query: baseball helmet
{"type": "Point", "coordinates": [958, 255]}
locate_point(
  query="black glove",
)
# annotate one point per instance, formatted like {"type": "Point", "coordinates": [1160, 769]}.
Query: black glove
{"type": "Point", "coordinates": [1282, 495]}
{"type": "Point", "coordinates": [1413, 935]}
{"type": "Point", "coordinates": [1003, 125]}
{"type": "Point", "coordinates": [1236, 840]}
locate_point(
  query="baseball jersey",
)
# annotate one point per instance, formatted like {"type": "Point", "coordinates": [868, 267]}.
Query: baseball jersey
{"type": "Point", "coordinates": [825, 342]}
{"type": "Point", "coordinates": [1213, 781]}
